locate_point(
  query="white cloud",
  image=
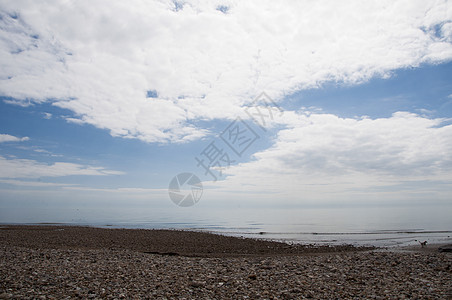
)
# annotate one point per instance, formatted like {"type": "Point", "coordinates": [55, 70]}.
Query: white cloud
{"type": "Point", "coordinates": [44, 152]}
{"type": "Point", "coordinates": [47, 115]}
{"type": "Point", "coordinates": [38, 150]}
{"type": "Point", "coordinates": [11, 138]}
{"type": "Point", "coordinates": [325, 157]}
{"type": "Point", "coordinates": [100, 59]}
{"type": "Point", "coordinates": [124, 190]}
{"type": "Point", "coordinates": [27, 168]}
{"type": "Point", "coordinates": [78, 188]}
{"type": "Point", "coordinates": [33, 183]}
{"type": "Point", "coordinates": [19, 102]}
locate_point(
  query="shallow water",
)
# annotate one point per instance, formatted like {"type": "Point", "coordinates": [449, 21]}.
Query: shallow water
{"type": "Point", "coordinates": [379, 226]}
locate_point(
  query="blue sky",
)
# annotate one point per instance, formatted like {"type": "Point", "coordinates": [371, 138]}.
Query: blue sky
{"type": "Point", "coordinates": [109, 112]}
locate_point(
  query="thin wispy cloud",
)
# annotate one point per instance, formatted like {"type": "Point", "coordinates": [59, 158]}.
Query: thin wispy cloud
{"type": "Point", "coordinates": [27, 168]}
{"type": "Point", "coordinates": [10, 138]}
{"type": "Point", "coordinates": [123, 190]}
{"type": "Point", "coordinates": [25, 183]}
{"type": "Point", "coordinates": [47, 115]}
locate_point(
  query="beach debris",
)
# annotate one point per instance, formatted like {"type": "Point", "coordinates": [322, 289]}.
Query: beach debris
{"type": "Point", "coordinates": [197, 284]}
{"type": "Point", "coordinates": [162, 253]}
{"type": "Point", "coordinates": [445, 248]}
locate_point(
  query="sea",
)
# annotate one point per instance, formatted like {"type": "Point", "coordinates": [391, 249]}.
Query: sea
{"type": "Point", "coordinates": [360, 226]}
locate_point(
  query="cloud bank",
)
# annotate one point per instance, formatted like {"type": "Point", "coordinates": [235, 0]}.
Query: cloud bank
{"type": "Point", "coordinates": [150, 69]}
{"type": "Point", "coordinates": [324, 157]}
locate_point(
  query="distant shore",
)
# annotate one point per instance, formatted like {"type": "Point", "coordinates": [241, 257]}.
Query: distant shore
{"type": "Point", "coordinates": [54, 261]}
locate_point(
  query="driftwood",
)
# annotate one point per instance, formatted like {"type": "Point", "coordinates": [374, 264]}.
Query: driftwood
{"type": "Point", "coordinates": [445, 248]}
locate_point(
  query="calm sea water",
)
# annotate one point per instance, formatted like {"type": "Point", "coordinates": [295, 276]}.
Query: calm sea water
{"type": "Point", "coordinates": [380, 226]}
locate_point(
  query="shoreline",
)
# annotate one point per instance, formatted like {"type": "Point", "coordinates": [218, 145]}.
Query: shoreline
{"type": "Point", "coordinates": [215, 238]}
{"type": "Point", "coordinates": [383, 239]}
{"type": "Point", "coordinates": [55, 262]}
{"type": "Point", "coordinates": [157, 241]}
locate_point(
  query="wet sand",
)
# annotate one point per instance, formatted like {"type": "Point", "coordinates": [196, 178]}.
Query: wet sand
{"type": "Point", "coordinates": [56, 262]}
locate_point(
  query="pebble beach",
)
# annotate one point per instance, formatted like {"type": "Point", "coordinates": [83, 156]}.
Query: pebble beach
{"type": "Point", "coordinates": [64, 262]}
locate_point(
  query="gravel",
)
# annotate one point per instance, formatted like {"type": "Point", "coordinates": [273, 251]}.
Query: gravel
{"type": "Point", "coordinates": [36, 263]}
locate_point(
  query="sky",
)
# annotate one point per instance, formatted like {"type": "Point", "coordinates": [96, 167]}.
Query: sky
{"type": "Point", "coordinates": [268, 103]}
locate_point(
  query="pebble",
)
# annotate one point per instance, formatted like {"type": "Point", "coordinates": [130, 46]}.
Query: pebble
{"type": "Point", "coordinates": [125, 274]}
{"type": "Point", "coordinates": [31, 272]}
